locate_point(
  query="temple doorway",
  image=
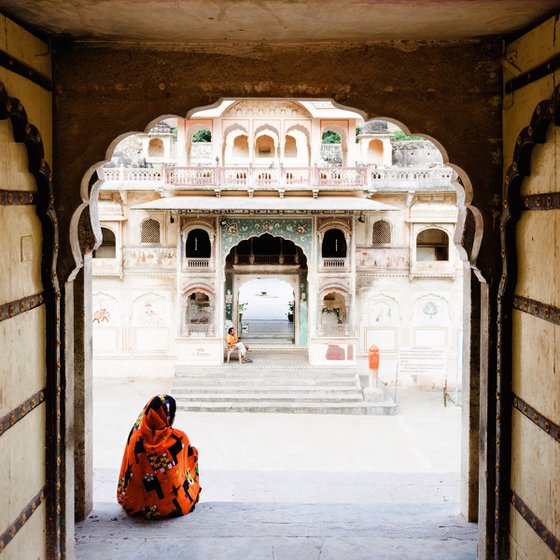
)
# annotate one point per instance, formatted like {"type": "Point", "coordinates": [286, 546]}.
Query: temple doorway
{"type": "Point", "coordinates": [266, 310]}
{"type": "Point", "coordinates": [266, 292]}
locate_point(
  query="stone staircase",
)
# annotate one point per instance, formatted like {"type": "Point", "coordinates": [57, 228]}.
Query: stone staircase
{"type": "Point", "coordinates": [268, 388]}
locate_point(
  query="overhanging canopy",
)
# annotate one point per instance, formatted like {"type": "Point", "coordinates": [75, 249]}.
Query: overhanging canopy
{"type": "Point", "coordinates": [295, 204]}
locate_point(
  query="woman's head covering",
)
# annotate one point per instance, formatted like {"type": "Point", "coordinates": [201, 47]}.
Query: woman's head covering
{"type": "Point", "coordinates": [160, 412]}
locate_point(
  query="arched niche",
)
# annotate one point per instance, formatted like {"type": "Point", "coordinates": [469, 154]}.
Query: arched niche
{"type": "Point", "coordinates": [108, 247]}
{"type": "Point", "coordinates": [432, 244]}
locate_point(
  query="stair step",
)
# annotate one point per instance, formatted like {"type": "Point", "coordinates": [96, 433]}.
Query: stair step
{"type": "Point", "coordinates": [292, 408]}
{"type": "Point", "coordinates": [180, 389]}
{"type": "Point", "coordinates": [244, 374]}
{"type": "Point", "coordinates": [259, 397]}
{"type": "Point", "coordinates": [265, 383]}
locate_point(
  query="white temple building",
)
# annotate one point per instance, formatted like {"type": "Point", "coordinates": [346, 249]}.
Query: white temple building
{"type": "Point", "coordinates": [295, 222]}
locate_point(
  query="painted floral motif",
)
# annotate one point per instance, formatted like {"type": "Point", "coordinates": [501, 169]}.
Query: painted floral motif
{"type": "Point", "coordinates": [297, 231]}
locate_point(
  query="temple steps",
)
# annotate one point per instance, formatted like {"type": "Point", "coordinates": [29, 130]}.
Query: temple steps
{"type": "Point", "coordinates": [269, 388]}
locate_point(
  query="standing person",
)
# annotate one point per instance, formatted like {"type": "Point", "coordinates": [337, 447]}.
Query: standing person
{"type": "Point", "coordinates": [233, 341]}
{"type": "Point", "coordinates": [159, 472]}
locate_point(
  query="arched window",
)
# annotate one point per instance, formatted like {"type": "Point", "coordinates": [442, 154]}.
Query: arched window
{"type": "Point", "coordinates": [108, 247]}
{"type": "Point", "coordinates": [198, 245]}
{"type": "Point", "coordinates": [264, 147]}
{"type": "Point", "coordinates": [150, 231]}
{"type": "Point", "coordinates": [334, 244]}
{"type": "Point", "coordinates": [199, 314]}
{"type": "Point", "coordinates": [155, 147]}
{"type": "Point", "coordinates": [290, 147]}
{"type": "Point", "coordinates": [375, 151]}
{"type": "Point", "coordinates": [381, 233]}
{"type": "Point", "coordinates": [331, 137]}
{"type": "Point", "coordinates": [240, 147]}
{"type": "Point", "coordinates": [432, 245]}
{"type": "Point", "coordinates": [333, 308]}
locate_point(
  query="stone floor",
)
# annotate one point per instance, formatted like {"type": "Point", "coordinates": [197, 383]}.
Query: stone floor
{"type": "Point", "coordinates": [298, 487]}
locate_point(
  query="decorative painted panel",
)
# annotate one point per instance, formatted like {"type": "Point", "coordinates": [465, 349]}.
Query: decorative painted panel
{"type": "Point", "coordinates": [150, 257]}
{"type": "Point", "coordinates": [296, 230]}
{"type": "Point", "coordinates": [390, 258]}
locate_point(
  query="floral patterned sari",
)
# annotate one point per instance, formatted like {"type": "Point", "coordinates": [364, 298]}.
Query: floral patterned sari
{"type": "Point", "coordinates": [159, 472]}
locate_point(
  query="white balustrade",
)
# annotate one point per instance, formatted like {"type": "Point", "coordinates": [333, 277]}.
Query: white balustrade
{"type": "Point", "coordinates": [191, 176]}
{"type": "Point", "coordinates": [281, 178]}
{"type": "Point", "coordinates": [341, 177]}
{"type": "Point", "coordinates": [198, 263]}
{"type": "Point", "coordinates": [335, 331]}
{"type": "Point", "coordinates": [390, 177]}
{"type": "Point", "coordinates": [199, 330]}
{"type": "Point", "coordinates": [336, 263]}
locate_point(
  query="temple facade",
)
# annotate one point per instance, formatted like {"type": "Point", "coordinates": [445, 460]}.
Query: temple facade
{"type": "Point", "coordinates": [293, 221]}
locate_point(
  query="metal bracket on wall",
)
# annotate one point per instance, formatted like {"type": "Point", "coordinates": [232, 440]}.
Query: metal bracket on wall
{"type": "Point", "coordinates": [536, 73]}
{"type": "Point", "coordinates": [18, 67]}
{"type": "Point", "coordinates": [537, 525]}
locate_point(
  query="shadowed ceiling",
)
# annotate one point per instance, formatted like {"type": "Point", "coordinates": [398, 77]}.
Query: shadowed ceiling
{"type": "Point", "coordinates": [269, 21]}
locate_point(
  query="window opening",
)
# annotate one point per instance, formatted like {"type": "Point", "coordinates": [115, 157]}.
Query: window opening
{"type": "Point", "coordinates": [432, 245]}
{"type": "Point", "coordinates": [108, 247]}
{"type": "Point", "coordinates": [150, 231]}
{"type": "Point", "coordinates": [381, 233]}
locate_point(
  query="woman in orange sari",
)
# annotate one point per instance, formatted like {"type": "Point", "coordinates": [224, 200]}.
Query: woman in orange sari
{"type": "Point", "coordinates": [159, 472]}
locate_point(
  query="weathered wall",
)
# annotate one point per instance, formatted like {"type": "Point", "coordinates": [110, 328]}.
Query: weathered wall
{"type": "Point", "coordinates": [22, 336]}
{"type": "Point", "coordinates": [535, 360]}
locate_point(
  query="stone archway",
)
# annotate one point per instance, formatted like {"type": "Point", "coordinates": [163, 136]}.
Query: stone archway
{"type": "Point", "coordinates": [301, 233]}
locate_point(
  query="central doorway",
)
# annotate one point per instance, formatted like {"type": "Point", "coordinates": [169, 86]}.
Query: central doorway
{"type": "Point", "coordinates": [266, 309]}
{"type": "Point", "coordinates": [266, 276]}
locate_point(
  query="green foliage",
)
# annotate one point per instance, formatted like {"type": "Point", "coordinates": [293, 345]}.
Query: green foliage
{"type": "Point", "coordinates": [358, 131]}
{"type": "Point", "coordinates": [331, 137]}
{"type": "Point", "coordinates": [202, 136]}
{"type": "Point", "coordinates": [400, 136]}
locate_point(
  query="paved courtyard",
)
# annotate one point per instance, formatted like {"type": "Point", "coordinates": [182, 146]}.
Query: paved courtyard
{"type": "Point", "coordinates": [303, 487]}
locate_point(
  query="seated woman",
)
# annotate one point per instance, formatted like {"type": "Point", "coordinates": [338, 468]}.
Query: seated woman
{"type": "Point", "coordinates": [159, 472]}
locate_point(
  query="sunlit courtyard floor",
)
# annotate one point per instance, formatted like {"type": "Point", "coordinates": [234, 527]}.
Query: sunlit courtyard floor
{"type": "Point", "coordinates": [298, 487]}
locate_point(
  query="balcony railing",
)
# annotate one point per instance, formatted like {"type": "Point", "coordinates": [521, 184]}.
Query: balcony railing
{"type": "Point", "coordinates": [265, 259]}
{"type": "Point", "coordinates": [335, 331]}
{"type": "Point", "coordinates": [278, 178]}
{"type": "Point", "coordinates": [198, 263]}
{"type": "Point", "coordinates": [334, 263]}
{"type": "Point", "coordinates": [198, 330]}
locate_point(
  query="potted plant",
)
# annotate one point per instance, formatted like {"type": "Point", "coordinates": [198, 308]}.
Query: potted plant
{"type": "Point", "coordinates": [291, 311]}
{"type": "Point", "coordinates": [240, 308]}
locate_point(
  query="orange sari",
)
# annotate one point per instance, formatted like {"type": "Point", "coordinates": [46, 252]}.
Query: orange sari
{"type": "Point", "coordinates": [159, 472]}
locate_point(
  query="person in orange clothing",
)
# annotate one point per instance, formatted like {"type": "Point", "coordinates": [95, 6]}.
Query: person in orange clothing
{"type": "Point", "coordinates": [233, 341]}
{"type": "Point", "coordinates": [159, 471]}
